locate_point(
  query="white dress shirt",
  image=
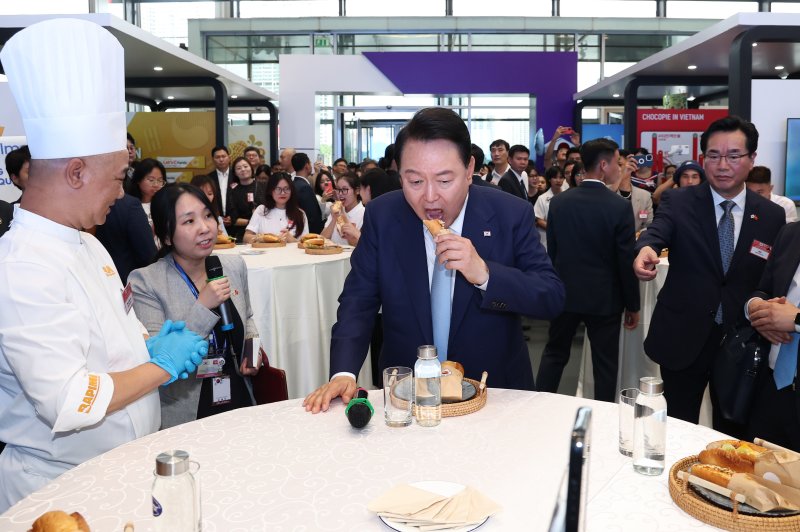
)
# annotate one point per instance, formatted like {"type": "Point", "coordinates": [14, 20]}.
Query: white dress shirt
{"type": "Point", "coordinates": [63, 329]}
{"type": "Point", "coordinates": [223, 187]}
{"type": "Point", "coordinates": [788, 206]}
{"type": "Point", "coordinates": [540, 210]}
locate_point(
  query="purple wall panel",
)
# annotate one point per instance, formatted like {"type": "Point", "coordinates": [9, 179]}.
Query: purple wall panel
{"type": "Point", "coordinates": [551, 76]}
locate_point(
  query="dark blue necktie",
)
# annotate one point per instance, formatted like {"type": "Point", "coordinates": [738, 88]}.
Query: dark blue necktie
{"type": "Point", "coordinates": [725, 234]}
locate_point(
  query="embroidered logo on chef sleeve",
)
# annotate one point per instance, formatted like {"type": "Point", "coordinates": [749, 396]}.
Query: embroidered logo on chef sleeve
{"type": "Point", "coordinates": [90, 395]}
{"type": "Point", "coordinates": [108, 270]}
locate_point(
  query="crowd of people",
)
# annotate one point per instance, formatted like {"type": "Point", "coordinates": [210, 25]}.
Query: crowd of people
{"type": "Point", "coordinates": [128, 327]}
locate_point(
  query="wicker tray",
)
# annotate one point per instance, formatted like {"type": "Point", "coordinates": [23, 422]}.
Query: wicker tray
{"type": "Point", "coordinates": [464, 407]}
{"type": "Point", "coordinates": [268, 245]}
{"type": "Point", "coordinates": [696, 506]}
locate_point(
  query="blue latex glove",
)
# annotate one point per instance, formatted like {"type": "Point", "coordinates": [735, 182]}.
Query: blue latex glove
{"type": "Point", "coordinates": [178, 352]}
{"type": "Point", "coordinates": [168, 326]}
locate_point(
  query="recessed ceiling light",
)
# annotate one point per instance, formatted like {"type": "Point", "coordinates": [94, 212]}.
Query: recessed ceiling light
{"type": "Point", "coordinates": [692, 67]}
{"type": "Point", "coordinates": [158, 68]}
{"type": "Point", "coordinates": [779, 67]}
{"type": "Point", "coordinates": [170, 97]}
{"type": "Point", "coordinates": [690, 99]}
{"type": "Point", "coordinates": [234, 96]}
{"type": "Point", "coordinates": [615, 95]}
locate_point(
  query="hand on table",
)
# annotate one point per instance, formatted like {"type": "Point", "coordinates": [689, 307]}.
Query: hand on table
{"type": "Point", "coordinates": [458, 253]}
{"type": "Point", "coordinates": [644, 265]}
{"type": "Point", "coordinates": [287, 236]}
{"type": "Point", "coordinates": [214, 293]}
{"type": "Point", "coordinates": [773, 319]}
{"type": "Point", "coordinates": [320, 399]}
{"type": "Point", "coordinates": [631, 320]}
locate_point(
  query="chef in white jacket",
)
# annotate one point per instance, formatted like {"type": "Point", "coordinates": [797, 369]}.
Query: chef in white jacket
{"type": "Point", "coordinates": [76, 375]}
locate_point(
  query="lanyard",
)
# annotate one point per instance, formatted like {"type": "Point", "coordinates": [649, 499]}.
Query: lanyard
{"type": "Point", "coordinates": [192, 288]}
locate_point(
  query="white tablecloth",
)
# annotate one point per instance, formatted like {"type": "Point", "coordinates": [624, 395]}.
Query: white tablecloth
{"type": "Point", "coordinates": [294, 297]}
{"type": "Point", "coordinates": [277, 468]}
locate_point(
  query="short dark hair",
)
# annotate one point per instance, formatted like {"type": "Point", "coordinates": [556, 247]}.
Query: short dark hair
{"type": "Point", "coordinates": [625, 153]}
{"type": "Point", "coordinates": [299, 161]}
{"type": "Point", "coordinates": [553, 172]}
{"type": "Point", "coordinates": [162, 209]}
{"type": "Point", "coordinates": [594, 151]}
{"type": "Point", "coordinates": [215, 149]}
{"type": "Point", "coordinates": [760, 175]}
{"type": "Point", "coordinates": [16, 159]}
{"type": "Point", "coordinates": [263, 168]}
{"type": "Point", "coordinates": [516, 148]}
{"type": "Point", "coordinates": [143, 168]}
{"type": "Point", "coordinates": [339, 160]}
{"type": "Point", "coordinates": [728, 124]}
{"type": "Point", "coordinates": [576, 169]}
{"type": "Point", "coordinates": [572, 150]}
{"type": "Point", "coordinates": [641, 151]}
{"type": "Point", "coordinates": [499, 142]}
{"type": "Point", "coordinates": [435, 123]}
{"type": "Point", "coordinates": [379, 182]}
{"type": "Point", "coordinates": [130, 138]}
{"type": "Point", "coordinates": [478, 155]}
{"type": "Point", "coordinates": [252, 148]}
{"type": "Point", "coordinates": [202, 180]}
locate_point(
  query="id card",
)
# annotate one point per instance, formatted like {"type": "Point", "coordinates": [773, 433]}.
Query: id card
{"type": "Point", "coordinates": [127, 298]}
{"type": "Point", "coordinates": [643, 215]}
{"type": "Point", "coordinates": [221, 391]}
{"type": "Point", "coordinates": [210, 367]}
{"type": "Point", "coordinates": [250, 197]}
{"type": "Point", "coordinates": [760, 249]}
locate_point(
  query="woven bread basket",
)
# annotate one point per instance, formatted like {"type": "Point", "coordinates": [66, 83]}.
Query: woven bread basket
{"type": "Point", "coordinates": [463, 408]}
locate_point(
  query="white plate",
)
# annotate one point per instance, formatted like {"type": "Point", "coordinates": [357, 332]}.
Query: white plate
{"type": "Point", "coordinates": [253, 251]}
{"type": "Point", "coordinates": [447, 489]}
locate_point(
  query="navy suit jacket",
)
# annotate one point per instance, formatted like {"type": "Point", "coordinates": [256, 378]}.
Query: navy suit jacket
{"type": "Point", "coordinates": [307, 201]}
{"type": "Point", "coordinates": [590, 239]}
{"type": "Point", "coordinates": [389, 269]}
{"type": "Point", "coordinates": [510, 183]}
{"type": "Point", "coordinates": [127, 236]}
{"type": "Point", "coordinates": [6, 214]}
{"type": "Point", "coordinates": [686, 223]}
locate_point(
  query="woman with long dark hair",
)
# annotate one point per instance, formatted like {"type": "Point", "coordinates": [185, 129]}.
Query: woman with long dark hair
{"type": "Point", "coordinates": [280, 213]}
{"type": "Point", "coordinates": [347, 214]}
{"type": "Point", "coordinates": [242, 198]}
{"type": "Point", "coordinates": [176, 287]}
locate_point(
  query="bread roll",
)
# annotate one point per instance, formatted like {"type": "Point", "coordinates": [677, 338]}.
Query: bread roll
{"type": "Point", "coordinates": [739, 456]}
{"type": "Point", "coordinates": [308, 236]}
{"type": "Point", "coordinates": [58, 521]}
{"type": "Point", "coordinates": [720, 476]}
{"type": "Point", "coordinates": [314, 243]}
{"type": "Point", "coordinates": [336, 208]}
{"type": "Point", "coordinates": [436, 227]}
{"type": "Point", "coordinates": [268, 238]}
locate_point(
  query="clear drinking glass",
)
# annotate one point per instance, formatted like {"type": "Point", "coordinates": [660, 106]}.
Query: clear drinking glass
{"type": "Point", "coordinates": [398, 395]}
{"type": "Point", "coordinates": [627, 400]}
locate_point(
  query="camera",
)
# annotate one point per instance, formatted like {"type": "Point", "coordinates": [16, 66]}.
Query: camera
{"type": "Point", "coordinates": [644, 160]}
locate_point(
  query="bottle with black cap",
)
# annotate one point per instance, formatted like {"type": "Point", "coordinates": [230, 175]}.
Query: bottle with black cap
{"type": "Point", "coordinates": [650, 427]}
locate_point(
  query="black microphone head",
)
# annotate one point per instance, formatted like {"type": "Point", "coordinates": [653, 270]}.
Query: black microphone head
{"type": "Point", "coordinates": [213, 267]}
{"type": "Point", "coordinates": [359, 415]}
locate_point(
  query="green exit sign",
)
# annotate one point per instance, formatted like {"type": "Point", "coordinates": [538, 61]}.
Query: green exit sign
{"type": "Point", "coordinates": [322, 41]}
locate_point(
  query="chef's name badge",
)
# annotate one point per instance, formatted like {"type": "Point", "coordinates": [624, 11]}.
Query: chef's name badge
{"type": "Point", "coordinates": [760, 249]}
{"type": "Point", "coordinates": [127, 298]}
{"type": "Point", "coordinates": [210, 367]}
{"type": "Point", "coordinates": [643, 215]}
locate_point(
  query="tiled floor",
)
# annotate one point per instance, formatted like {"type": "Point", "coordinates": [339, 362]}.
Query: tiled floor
{"type": "Point", "coordinates": [538, 338]}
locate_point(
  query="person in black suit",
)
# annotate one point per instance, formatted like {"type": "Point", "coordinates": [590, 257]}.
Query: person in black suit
{"type": "Point", "coordinates": [477, 179]}
{"type": "Point", "coordinates": [6, 214]}
{"type": "Point", "coordinates": [306, 198]}
{"type": "Point", "coordinates": [224, 179]}
{"type": "Point", "coordinates": [127, 236]}
{"type": "Point", "coordinates": [514, 181]}
{"type": "Point", "coordinates": [718, 234]}
{"type": "Point", "coordinates": [590, 239]}
{"type": "Point", "coordinates": [773, 311]}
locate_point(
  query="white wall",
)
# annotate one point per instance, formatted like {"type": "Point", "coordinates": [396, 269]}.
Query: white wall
{"type": "Point", "coordinates": [304, 76]}
{"type": "Point", "coordinates": [773, 102]}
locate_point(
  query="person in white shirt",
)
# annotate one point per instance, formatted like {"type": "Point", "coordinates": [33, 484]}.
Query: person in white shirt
{"type": "Point", "coordinates": [77, 377]}
{"type": "Point", "coordinates": [759, 180]}
{"type": "Point", "coordinates": [344, 227]}
{"type": "Point", "coordinates": [499, 153]}
{"type": "Point", "coordinates": [555, 179]}
{"type": "Point", "coordinates": [279, 214]}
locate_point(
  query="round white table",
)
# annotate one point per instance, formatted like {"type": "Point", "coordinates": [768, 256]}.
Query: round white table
{"type": "Point", "coordinates": [278, 468]}
{"type": "Point", "coordinates": [294, 297]}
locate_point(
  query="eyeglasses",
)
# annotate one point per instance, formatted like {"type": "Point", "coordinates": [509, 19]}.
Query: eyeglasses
{"type": "Point", "coordinates": [283, 190]}
{"type": "Point", "coordinates": [343, 191]}
{"type": "Point", "coordinates": [580, 174]}
{"type": "Point", "coordinates": [154, 181]}
{"type": "Point", "coordinates": [733, 158]}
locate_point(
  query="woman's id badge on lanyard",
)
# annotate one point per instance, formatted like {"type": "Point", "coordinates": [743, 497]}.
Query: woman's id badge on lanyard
{"type": "Point", "coordinates": [212, 366]}
{"type": "Point", "coordinates": [221, 390]}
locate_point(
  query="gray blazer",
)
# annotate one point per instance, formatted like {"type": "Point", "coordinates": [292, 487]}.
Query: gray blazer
{"type": "Point", "coordinates": [641, 202]}
{"type": "Point", "coordinates": [160, 294]}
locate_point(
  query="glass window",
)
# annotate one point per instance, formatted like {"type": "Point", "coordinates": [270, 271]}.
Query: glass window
{"type": "Point", "coordinates": [785, 7]}
{"type": "Point", "coordinates": [363, 100]}
{"type": "Point", "coordinates": [350, 44]}
{"type": "Point", "coordinates": [405, 8]}
{"type": "Point", "coordinates": [289, 8]}
{"type": "Point", "coordinates": [266, 75]}
{"type": "Point", "coordinates": [170, 20]}
{"type": "Point", "coordinates": [709, 9]}
{"type": "Point", "coordinates": [479, 8]}
{"type": "Point", "coordinates": [611, 8]}
{"type": "Point", "coordinates": [499, 42]}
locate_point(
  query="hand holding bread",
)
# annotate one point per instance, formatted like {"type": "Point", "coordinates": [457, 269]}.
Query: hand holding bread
{"type": "Point", "coordinates": [457, 253]}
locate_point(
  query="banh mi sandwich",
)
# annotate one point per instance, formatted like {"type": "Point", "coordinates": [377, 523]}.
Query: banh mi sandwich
{"type": "Point", "coordinates": [336, 208]}
{"type": "Point", "coordinates": [721, 476]}
{"type": "Point", "coordinates": [314, 243]}
{"type": "Point", "coordinates": [225, 239]}
{"type": "Point", "coordinates": [736, 455]}
{"type": "Point", "coordinates": [267, 238]}
{"type": "Point", "coordinates": [309, 236]}
{"type": "Point", "coordinates": [436, 227]}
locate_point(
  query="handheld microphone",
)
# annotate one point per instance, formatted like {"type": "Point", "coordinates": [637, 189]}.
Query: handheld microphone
{"type": "Point", "coordinates": [214, 271]}
{"type": "Point", "coordinates": [359, 410]}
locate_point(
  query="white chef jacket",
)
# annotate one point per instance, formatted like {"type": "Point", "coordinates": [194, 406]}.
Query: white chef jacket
{"type": "Point", "coordinates": [63, 328]}
{"type": "Point", "coordinates": [355, 216]}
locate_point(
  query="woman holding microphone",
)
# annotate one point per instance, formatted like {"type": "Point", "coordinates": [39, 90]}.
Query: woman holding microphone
{"type": "Point", "coordinates": [176, 288]}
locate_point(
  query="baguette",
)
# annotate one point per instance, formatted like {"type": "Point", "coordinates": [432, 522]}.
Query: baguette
{"type": "Point", "coordinates": [739, 456]}
{"type": "Point", "coordinates": [268, 238]}
{"type": "Point", "coordinates": [436, 227]}
{"type": "Point", "coordinates": [720, 476]}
